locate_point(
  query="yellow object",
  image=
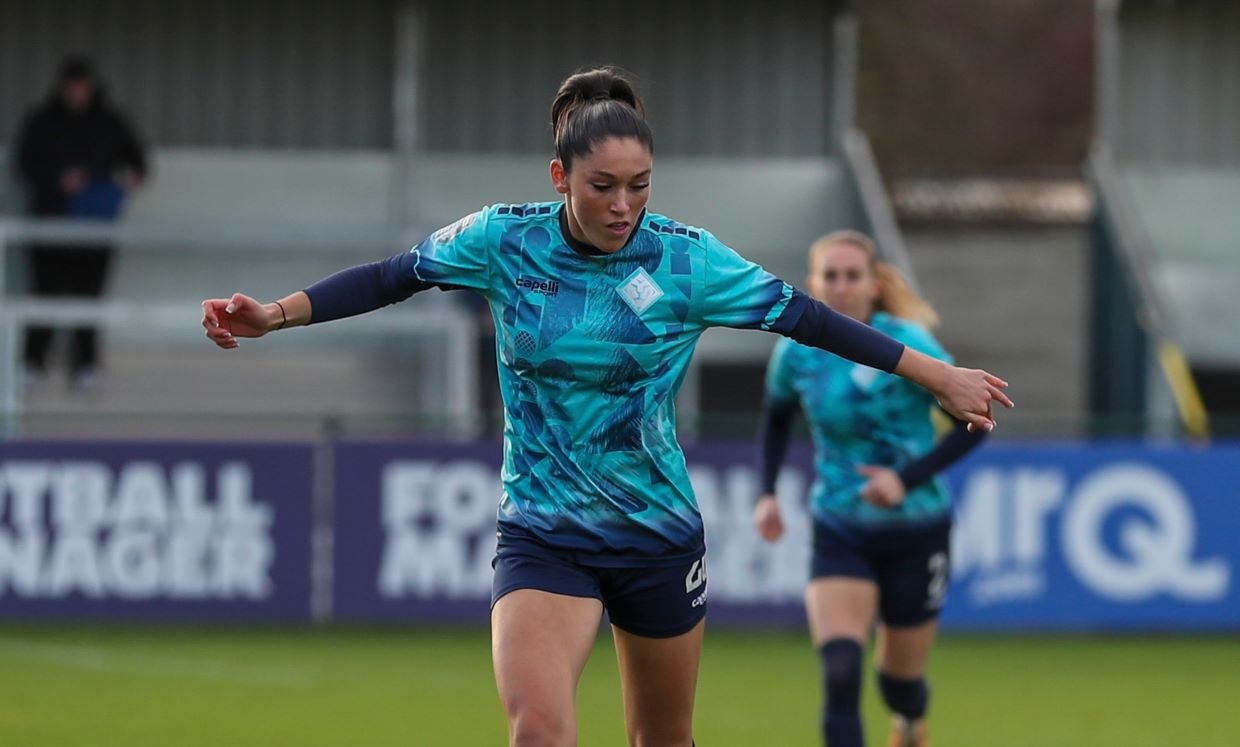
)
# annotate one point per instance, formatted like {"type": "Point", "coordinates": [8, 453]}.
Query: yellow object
{"type": "Point", "coordinates": [1187, 398]}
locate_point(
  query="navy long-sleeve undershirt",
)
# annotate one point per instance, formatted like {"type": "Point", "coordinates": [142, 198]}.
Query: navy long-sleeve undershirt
{"type": "Point", "coordinates": [366, 287]}
{"type": "Point", "coordinates": [958, 442]}
{"type": "Point", "coordinates": [363, 288]}
{"type": "Point", "coordinates": [813, 323]}
{"type": "Point", "coordinates": [776, 427]}
{"type": "Point", "coordinates": [773, 436]}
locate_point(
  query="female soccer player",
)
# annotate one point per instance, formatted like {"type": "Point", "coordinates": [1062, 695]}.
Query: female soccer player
{"type": "Point", "coordinates": [881, 519]}
{"type": "Point", "coordinates": [597, 306]}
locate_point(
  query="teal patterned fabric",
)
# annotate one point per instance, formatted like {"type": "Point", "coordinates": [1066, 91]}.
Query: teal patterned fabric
{"type": "Point", "coordinates": [592, 350]}
{"type": "Point", "coordinates": [861, 416]}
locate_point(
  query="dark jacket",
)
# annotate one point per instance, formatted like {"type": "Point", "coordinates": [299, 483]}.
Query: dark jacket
{"type": "Point", "coordinates": [53, 140]}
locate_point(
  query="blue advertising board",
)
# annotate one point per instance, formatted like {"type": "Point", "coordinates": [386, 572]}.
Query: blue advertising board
{"type": "Point", "coordinates": [1054, 536]}
{"type": "Point", "coordinates": [1086, 535]}
{"type": "Point", "coordinates": [155, 531]}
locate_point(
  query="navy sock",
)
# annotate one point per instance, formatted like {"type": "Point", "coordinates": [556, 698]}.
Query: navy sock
{"type": "Point", "coordinates": [841, 674]}
{"type": "Point", "coordinates": [909, 698]}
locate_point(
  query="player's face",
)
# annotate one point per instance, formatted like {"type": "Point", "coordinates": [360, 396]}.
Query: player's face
{"type": "Point", "coordinates": [606, 191]}
{"type": "Point", "coordinates": [842, 277]}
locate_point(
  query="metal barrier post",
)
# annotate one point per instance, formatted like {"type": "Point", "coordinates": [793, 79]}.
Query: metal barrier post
{"type": "Point", "coordinates": [9, 372]}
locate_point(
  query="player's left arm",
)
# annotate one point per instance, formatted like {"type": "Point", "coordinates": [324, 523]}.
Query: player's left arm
{"type": "Point", "coordinates": [887, 487]}
{"type": "Point", "coordinates": [741, 294]}
{"type": "Point", "coordinates": [965, 393]}
{"type": "Point", "coordinates": [951, 448]}
{"type": "Point", "coordinates": [958, 441]}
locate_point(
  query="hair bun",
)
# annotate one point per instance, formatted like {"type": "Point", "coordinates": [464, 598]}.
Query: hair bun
{"type": "Point", "coordinates": [583, 112]}
{"type": "Point", "coordinates": [602, 84]}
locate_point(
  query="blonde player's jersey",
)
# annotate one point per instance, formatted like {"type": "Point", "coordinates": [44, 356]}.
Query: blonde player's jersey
{"type": "Point", "coordinates": [592, 350]}
{"type": "Point", "coordinates": [857, 416]}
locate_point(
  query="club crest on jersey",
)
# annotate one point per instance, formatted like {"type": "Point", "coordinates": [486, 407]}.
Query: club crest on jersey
{"type": "Point", "coordinates": [640, 291]}
{"type": "Point", "coordinates": [863, 377]}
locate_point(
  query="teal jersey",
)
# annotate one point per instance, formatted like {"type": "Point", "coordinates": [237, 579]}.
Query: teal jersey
{"type": "Point", "coordinates": [592, 350]}
{"type": "Point", "coordinates": [861, 416]}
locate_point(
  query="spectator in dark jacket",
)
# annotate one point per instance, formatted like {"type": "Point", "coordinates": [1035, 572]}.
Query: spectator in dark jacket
{"type": "Point", "coordinates": [78, 157]}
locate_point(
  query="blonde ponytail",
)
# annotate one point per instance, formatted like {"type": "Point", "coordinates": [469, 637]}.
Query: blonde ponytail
{"type": "Point", "coordinates": [895, 295]}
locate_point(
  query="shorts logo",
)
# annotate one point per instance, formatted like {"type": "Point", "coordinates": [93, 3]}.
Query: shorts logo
{"type": "Point", "coordinates": [940, 572]}
{"type": "Point", "coordinates": [538, 285]}
{"type": "Point", "coordinates": [639, 291]}
{"type": "Point", "coordinates": [696, 577]}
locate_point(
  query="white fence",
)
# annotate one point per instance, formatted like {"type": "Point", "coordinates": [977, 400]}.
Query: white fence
{"type": "Point", "coordinates": [445, 331]}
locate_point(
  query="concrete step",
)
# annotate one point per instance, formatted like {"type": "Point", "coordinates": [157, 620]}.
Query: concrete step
{"type": "Point", "coordinates": [1013, 301]}
{"type": "Point", "coordinates": [196, 391]}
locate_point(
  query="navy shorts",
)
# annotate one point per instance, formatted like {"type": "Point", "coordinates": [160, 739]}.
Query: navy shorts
{"type": "Point", "coordinates": [910, 564]}
{"type": "Point", "coordinates": [650, 601]}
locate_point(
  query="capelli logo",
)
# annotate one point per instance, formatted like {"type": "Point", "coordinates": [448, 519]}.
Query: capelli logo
{"type": "Point", "coordinates": [538, 285]}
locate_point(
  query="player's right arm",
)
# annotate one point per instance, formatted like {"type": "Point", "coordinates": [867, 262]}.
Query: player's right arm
{"type": "Point", "coordinates": [226, 319]}
{"type": "Point", "coordinates": [453, 257]}
{"type": "Point", "coordinates": [779, 408]}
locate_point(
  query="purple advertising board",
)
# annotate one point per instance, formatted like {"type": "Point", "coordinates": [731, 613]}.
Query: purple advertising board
{"type": "Point", "coordinates": [415, 533]}
{"type": "Point", "coordinates": [414, 530]}
{"type": "Point", "coordinates": [155, 531]}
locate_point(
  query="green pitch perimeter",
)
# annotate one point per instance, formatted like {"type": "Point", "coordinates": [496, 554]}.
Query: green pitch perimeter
{"type": "Point", "coordinates": [138, 686]}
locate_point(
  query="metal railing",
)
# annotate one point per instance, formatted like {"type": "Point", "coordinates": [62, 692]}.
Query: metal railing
{"type": "Point", "coordinates": [454, 326]}
{"type": "Point", "coordinates": [456, 330]}
{"type": "Point", "coordinates": [872, 204]}
{"type": "Point", "coordinates": [1136, 365]}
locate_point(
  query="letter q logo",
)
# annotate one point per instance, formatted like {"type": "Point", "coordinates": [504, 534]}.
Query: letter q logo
{"type": "Point", "coordinates": [1158, 554]}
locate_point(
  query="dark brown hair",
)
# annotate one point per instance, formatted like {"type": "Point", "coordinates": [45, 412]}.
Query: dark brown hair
{"type": "Point", "coordinates": [592, 106]}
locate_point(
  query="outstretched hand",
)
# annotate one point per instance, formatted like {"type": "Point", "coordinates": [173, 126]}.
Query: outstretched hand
{"type": "Point", "coordinates": [969, 394]}
{"type": "Point", "coordinates": [226, 319]}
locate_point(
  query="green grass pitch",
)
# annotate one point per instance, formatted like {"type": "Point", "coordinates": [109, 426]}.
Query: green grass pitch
{"type": "Point", "coordinates": [174, 686]}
